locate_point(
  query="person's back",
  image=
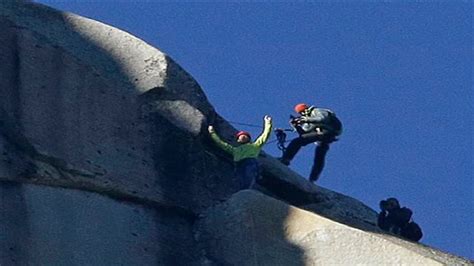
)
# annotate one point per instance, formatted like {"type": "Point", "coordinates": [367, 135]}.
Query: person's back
{"type": "Point", "coordinates": [398, 218]}
{"type": "Point", "coordinates": [412, 231]}
{"type": "Point", "coordinates": [322, 118]}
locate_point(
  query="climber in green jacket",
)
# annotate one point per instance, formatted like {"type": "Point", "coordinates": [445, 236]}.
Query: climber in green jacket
{"type": "Point", "coordinates": [245, 155]}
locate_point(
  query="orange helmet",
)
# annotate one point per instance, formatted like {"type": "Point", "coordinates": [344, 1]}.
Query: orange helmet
{"type": "Point", "coordinates": [240, 133]}
{"type": "Point", "coordinates": [300, 107]}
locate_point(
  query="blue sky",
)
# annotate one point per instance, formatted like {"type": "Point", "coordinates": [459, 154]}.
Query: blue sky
{"type": "Point", "coordinates": [398, 74]}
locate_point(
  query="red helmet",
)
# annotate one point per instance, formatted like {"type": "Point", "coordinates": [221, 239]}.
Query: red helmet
{"type": "Point", "coordinates": [240, 133]}
{"type": "Point", "coordinates": [300, 107]}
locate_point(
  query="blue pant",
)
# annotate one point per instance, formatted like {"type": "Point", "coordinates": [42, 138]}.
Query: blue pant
{"type": "Point", "coordinates": [247, 171]}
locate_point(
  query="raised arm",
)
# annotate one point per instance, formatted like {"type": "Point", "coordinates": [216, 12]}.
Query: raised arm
{"type": "Point", "coordinates": [222, 144]}
{"type": "Point", "coordinates": [267, 130]}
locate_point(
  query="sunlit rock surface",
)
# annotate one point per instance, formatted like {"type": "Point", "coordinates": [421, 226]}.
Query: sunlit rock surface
{"type": "Point", "coordinates": [253, 229]}
{"type": "Point", "coordinates": [104, 160]}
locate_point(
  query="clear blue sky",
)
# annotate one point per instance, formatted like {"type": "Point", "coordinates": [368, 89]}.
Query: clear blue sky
{"type": "Point", "coordinates": [399, 75]}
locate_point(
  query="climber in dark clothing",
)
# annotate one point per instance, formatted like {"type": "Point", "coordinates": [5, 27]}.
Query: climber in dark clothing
{"type": "Point", "coordinates": [314, 125]}
{"type": "Point", "coordinates": [397, 220]}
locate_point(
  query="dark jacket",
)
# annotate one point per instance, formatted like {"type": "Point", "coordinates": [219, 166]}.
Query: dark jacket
{"type": "Point", "coordinates": [324, 119]}
{"type": "Point", "coordinates": [395, 219]}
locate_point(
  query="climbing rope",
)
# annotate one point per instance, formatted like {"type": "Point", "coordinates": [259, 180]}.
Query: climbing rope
{"type": "Point", "coordinates": [245, 124]}
{"type": "Point", "coordinates": [279, 132]}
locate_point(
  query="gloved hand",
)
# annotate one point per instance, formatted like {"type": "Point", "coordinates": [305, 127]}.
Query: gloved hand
{"type": "Point", "coordinates": [211, 129]}
{"type": "Point", "coordinates": [303, 119]}
{"type": "Point", "coordinates": [267, 119]}
{"type": "Point", "coordinates": [295, 121]}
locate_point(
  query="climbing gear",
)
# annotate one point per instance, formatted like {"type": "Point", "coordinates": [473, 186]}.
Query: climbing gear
{"type": "Point", "coordinates": [300, 107]}
{"type": "Point", "coordinates": [281, 138]}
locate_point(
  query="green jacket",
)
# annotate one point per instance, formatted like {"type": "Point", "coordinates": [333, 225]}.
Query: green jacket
{"type": "Point", "coordinates": [248, 150]}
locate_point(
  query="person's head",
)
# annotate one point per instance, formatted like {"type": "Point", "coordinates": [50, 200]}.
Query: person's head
{"type": "Point", "coordinates": [301, 108]}
{"type": "Point", "coordinates": [242, 137]}
{"type": "Point", "coordinates": [391, 204]}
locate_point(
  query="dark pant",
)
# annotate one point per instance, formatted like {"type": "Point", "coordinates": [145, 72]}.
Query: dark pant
{"type": "Point", "coordinates": [319, 160]}
{"type": "Point", "coordinates": [247, 171]}
{"type": "Point", "coordinates": [323, 141]}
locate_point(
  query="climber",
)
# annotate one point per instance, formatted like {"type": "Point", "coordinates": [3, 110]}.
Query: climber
{"type": "Point", "coordinates": [245, 155]}
{"type": "Point", "coordinates": [397, 220]}
{"type": "Point", "coordinates": [314, 125]}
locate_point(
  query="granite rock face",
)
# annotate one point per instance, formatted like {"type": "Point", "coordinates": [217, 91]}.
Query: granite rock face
{"type": "Point", "coordinates": [42, 225]}
{"type": "Point", "coordinates": [89, 108]}
{"type": "Point", "coordinates": [84, 104]}
{"type": "Point", "coordinates": [105, 160]}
